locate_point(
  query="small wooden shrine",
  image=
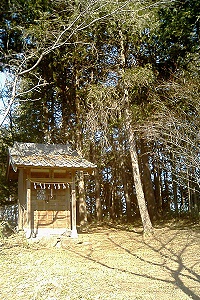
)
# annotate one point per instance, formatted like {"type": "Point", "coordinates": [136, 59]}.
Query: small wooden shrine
{"type": "Point", "coordinates": [46, 187]}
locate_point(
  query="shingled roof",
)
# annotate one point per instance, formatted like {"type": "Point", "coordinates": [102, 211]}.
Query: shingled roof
{"type": "Point", "coordinates": [46, 155]}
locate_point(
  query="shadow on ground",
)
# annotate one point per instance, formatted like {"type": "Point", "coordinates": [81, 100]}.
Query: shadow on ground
{"type": "Point", "coordinates": [169, 256]}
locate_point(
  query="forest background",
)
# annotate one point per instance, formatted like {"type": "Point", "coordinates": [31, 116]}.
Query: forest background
{"type": "Point", "coordinates": [117, 80]}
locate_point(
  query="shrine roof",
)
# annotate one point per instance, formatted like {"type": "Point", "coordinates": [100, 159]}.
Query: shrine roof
{"type": "Point", "coordinates": [46, 155]}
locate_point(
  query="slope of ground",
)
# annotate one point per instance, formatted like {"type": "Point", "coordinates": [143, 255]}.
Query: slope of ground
{"type": "Point", "coordinates": [104, 263]}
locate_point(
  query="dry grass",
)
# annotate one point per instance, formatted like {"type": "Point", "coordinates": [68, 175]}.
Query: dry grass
{"type": "Point", "coordinates": [104, 263]}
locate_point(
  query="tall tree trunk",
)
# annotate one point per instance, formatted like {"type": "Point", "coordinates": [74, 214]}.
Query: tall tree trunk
{"type": "Point", "coordinates": [106, 199]}
{"type": "Point", "coordinates": [158, 188]}
{"type": "Point", "coordinates": [147, 182]}
{"type": "Point", "coordinates": [124, 177]}
{"type": "Point", "coordinates": [81, 199]}
{"type": "Point", "coordinates": [195, 206]}
{"type": "Point", "coordinates": [174, 183]}
{"type": "Point", "coordinates": [125, 187]}
{"type": "Point", "coordinates": [47, 134]}
{"type": "Point", "coordinates": [99, 212]}
{"type": "Point", "coordinates": [81, 185]}
{"type": "Point", "coordinates": [189, 192]}
{"type": "Point", "coordinates": [147, 225]}
{"type": "Point", "coordinates": [126, 192]}
{"type": "Point", "coordinates": [166, 196]}
{"type": "Point", "coordinates": [112, 202]}
{"type": "Point", "coordinates": [97, 196]}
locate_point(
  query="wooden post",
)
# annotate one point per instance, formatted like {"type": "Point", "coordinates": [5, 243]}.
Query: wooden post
{"type": "Point", "coordinates": [73, 209]}
{"type": "Point", "coordinates": [20, 199]}
{"type": "Point", "coordinates": [29, 217]}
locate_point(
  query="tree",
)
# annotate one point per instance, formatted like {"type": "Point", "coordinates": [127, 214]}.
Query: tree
{"type": "Point", "coordinates": [123, 102]}
{"type": "Point", "coordinates": [96, 74]}
{"type": "Point", "coordinates": [147, 225]}
{"type": "Point", "coordinates": [53, 30]}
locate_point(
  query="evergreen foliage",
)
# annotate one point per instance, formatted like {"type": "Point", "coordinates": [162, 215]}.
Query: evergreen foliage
{"type": "Point", "coordinates": [67, 57]}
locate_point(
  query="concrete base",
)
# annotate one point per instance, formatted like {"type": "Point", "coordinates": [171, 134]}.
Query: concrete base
{"type": "Point", "coordinates": [45, 232]}
{"type": "Point", "coordinates": [28, 233]}
{"type": "Point", "coordinates": [74, 234]}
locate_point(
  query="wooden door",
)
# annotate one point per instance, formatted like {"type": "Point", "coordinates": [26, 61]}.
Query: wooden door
{"type": "Point", "coordinates": [51, 208]}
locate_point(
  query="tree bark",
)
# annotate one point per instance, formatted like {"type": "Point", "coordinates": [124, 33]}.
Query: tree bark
{"type": "Point", "coordinates": [166, 196]}
{"type": "Point", "coordinates": [122, 164]}
{"type": "Point", "coordinates": [147, 225]}
{"type": "Point", "coordinates": [97, 196]}
{"type": "Point", "coordinates": [158, 188]}
{"type": "Point", "coordinates": [174, 184]}
{"type": "Point", "coordinates": [147, 182]}
{"type": "Point", "coordinates": [47, 134]}
{"type": "Point", "coordinates": [126, 191]}
{"type": "Point", "coordinates": [82, 202]}
{"type": "Point", "coordinates": [97, 178]}
{"type": "Point", "coordinates": [78, 137]}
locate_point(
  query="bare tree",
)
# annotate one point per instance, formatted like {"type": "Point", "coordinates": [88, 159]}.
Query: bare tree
{"type": "Point", "coordinates": [57, 33]}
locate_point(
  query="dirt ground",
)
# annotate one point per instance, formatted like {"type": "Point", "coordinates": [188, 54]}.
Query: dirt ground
{"type": "Point", "coordinates": [103, 263]}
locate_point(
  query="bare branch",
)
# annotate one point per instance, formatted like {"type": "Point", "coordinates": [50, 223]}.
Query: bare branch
{"type": "Point", "coordinates": [11, 101]}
